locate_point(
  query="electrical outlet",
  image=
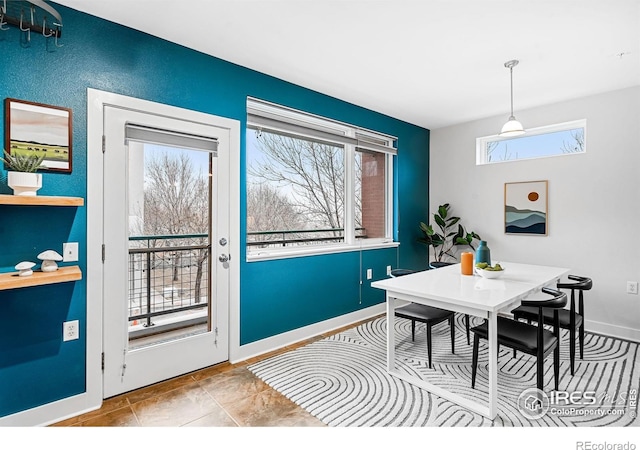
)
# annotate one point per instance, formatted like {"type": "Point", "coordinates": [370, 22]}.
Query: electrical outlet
{"type": "Point", "coordinates": [70, 251]}
{"type": "Point", "coordinates": [70, 330]}
{"type": "Point", "coordinates": [632, 287]}
{"type": "Point", "coordinates": [369, 274]}
{"type": "Point", "coordinates": [388, 270]}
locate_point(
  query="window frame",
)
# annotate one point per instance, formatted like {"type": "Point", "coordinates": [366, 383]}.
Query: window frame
{"type": "Point", "coordinates": [481, 142]}
{"type": "Point", "coordinates": [351, 134]}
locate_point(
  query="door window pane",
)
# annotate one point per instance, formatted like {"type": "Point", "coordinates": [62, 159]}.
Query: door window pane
{"type": "Point", "coordinates": [169, 244]}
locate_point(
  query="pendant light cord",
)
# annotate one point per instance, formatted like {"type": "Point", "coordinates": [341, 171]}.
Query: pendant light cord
{"type": "Point", "coordinates": [511, 76]}
{"type": "Point", "coordinates": [510, 65]}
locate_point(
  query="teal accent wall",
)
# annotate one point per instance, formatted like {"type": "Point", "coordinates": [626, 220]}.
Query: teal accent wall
{"type": "Point", "coordinates": [36, 367]}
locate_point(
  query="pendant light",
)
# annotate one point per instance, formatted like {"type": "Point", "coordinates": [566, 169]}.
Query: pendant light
{"type": "Point", "coordinates": [512, 127]}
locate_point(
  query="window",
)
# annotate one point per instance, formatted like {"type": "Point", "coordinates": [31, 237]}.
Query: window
{"type": "Point", "coordinates": [314, 185]}
{"type": "Point", "coordinates": [553, 140]}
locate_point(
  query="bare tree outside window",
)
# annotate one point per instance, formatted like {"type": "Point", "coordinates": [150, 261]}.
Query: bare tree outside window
{"type": "Point", "coordinates": [175, 196]}
{"type": "Point", "coordinates": [576, 144]}
{"type": "Point", "coordinates": [503, 155]}
{"type": "Point", "coordinates": [176, 202]}
{"type": "Point", "coordinates": [269, 210]}
{"type": "Point", "coordinates": [304, 179]}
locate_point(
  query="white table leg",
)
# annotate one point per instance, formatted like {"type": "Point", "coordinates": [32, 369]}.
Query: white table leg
{"type": "Point", "coordinates": [391, 338]}
{"type": "Point", "coordinates": [493, 364]}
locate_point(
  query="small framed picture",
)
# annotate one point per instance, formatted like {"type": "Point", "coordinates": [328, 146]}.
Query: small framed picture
{"type": "Point", "coordinates": [525, 208]}
{"type": "Point", "coordinates": [34, 128]}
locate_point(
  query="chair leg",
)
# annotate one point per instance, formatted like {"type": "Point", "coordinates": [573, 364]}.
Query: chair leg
{"type": "Point", "coordinates": [540, 372]}
{"type": "Point", "coordinates": [452, 326]}
{"type": "Point", "coordinates": [572, 349]}
{"type": "Point", "coordinates": [466, 323]}
{"type": "Point", "coordinates": [474, 363]}
{"type": "Point", "coordinates": [429, 343]}
{"type": "Point", "coordinates": [581, 328]}
{"type": "Point", "coordinates": [556, 366]}
{"type": "Point", "coordinates": [413, 330]}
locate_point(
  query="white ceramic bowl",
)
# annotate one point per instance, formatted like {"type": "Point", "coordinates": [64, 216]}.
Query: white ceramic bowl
{"type": "Point", "coordinates": [490, 273]}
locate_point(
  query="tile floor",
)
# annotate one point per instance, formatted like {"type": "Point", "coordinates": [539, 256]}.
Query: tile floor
{"type": "Point", "coordinates": [224, 395]}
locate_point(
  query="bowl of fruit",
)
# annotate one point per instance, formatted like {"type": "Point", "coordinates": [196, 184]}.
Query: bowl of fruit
{"type": "Point", "coordinates": [487, 271]}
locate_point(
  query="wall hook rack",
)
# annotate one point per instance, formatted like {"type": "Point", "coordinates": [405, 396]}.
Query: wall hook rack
{"type": "Point", "coordinates": [31, 15]}
{"type": "Point", "coordinates": [3, 23]}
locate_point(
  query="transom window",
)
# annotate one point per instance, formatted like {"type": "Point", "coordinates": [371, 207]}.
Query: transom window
{"type": "Point", "coordinates": [554, 140]}
{"type": "Point", "coordinates": [314, 185]}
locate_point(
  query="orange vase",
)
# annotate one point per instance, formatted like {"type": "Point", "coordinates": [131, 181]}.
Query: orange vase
{"type": "Point", "coordinates": [466, 263]}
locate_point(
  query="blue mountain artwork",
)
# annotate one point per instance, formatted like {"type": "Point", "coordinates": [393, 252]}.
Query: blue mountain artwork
{"type": "Point", "coordinates": [525, 221]}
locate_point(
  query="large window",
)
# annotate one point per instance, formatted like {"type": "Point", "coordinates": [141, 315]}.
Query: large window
{"type": "Point", "coordinates": [314, 185]}
{"type": "Point", "coordinates": [553, 140]}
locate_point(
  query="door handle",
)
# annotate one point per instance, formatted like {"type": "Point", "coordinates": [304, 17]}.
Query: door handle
{"type": "Point", "coordinates": [223, 258]}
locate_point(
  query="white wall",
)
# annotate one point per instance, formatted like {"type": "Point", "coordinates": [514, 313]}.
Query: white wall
{"type": "Point", "coordinates": [594, 199]}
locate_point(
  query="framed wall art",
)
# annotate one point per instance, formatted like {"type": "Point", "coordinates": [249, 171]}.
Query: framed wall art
{"type": "Point", "coordinates": [35, 128]}
{"type": "Point", "coordinates": [526, 208]}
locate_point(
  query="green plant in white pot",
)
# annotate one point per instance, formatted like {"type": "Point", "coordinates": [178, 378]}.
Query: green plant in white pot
{"type": "Point", "coordinates": [22, 176]}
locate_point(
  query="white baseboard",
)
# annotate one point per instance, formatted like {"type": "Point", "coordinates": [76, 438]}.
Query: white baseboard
{"type": "Point", "coordinates": [291, 337]}
{"type": "Point", "coordinates": [53, 412]}
{"type": "Point", "coordinates": [629, 334]}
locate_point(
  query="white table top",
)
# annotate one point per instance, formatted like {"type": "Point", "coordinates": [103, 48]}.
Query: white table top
{"type": "Point", "coordinates": [448, 285]}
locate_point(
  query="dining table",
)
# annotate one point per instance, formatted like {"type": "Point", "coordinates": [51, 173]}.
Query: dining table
{"type": "Point", "coordinates": [447, 288]}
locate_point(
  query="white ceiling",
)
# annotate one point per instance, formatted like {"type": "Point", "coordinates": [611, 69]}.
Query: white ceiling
{"type": "Point", "coordinates": [433, 63]}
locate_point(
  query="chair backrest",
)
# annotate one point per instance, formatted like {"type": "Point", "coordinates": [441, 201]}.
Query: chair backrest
{"type": "Point", "coordinates": [582, 283]}
{"type": "Point", "coordinates": [558, 301]}
{"type": "Point", "coordinates": [401, 272]}
{"type": "Point", "coordinates": [438, 264]}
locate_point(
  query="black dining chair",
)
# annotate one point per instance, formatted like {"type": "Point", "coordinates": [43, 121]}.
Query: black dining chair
{"type": "Point", "coordinates": [428, 315]}
{"type": "Point", "coordinates": [570, 319]}
{"type": "Point", "coordinates": [531, 339]}
{"type": "Point", "coordinates": [437, 265]}
{"type": "Point", "coordinates": [401, 272]}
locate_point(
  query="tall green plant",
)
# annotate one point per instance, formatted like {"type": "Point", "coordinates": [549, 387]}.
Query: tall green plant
{"type": "Point", "coordinates": [22, 162]}
{"type": "Point", "coordinates": [449, 234]}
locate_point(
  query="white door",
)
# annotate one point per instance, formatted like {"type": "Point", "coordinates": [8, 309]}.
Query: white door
{"type": "Point", "coordinates": [166, 268]}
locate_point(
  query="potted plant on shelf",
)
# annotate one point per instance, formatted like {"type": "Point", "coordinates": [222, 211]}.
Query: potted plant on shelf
{"type": "Point", "coordinates": [449, 234]}
{"type": "Point", "coordinates": [22, 176]}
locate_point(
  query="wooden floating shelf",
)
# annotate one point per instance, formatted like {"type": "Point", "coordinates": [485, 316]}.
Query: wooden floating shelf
{"type": "Point", "coordinates": [40, 200]}
{"type": "Point", "coordinates": [63, 274]}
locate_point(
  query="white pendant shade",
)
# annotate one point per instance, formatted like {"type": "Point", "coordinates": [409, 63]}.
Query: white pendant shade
{"type": "Point", "coordinates": [512, 128]}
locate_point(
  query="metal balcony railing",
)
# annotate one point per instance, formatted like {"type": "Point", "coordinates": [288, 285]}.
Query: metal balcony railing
{"type": "Point", "coordinates": [168, 275]}
{"type": "Point", "coordinates": [285, 238]}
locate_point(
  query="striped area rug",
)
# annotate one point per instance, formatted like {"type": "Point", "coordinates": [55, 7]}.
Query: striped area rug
{"type": "Point", "coordinates": [342, 380]}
